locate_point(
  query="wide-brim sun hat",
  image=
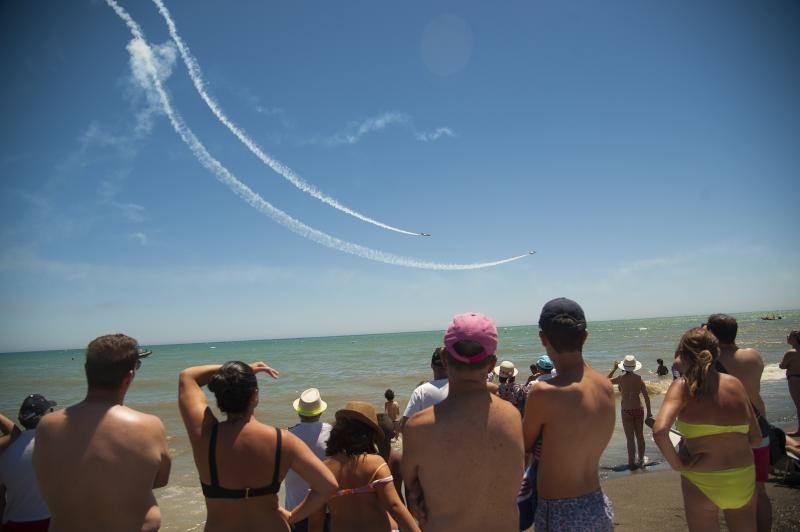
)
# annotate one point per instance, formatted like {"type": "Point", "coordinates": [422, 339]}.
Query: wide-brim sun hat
{"type": "Point", "coordinates": [630, 364]}
{"type": "Point", "coordinates": [506, 369]}
{"type": "Point", "coordinates": [363, 412]}
{"type": "Point", "coordinates": [310, 403]}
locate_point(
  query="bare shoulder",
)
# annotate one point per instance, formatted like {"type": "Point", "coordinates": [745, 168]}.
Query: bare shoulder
{"type": "Point", "coordinates": [128, 416]}
{"type": "Point", "coordinates": [373, 461]}
{"type": "Point", "coordinates": [601, 381]}
{"type": "Point", "coordinates": [49, 423]}
{"type": "Point", "coordinates": [290, 441]}
{"type": "Point", "coordinates": [421, 419]}
{"type": "Point", "coordinates": [731, 383]}
{"type": "Point", "coordinates": [504, 408]}
{"type": "Point", "coordinates": [678, 387]}
{"type": "Point", "coordinates": [748, 355]}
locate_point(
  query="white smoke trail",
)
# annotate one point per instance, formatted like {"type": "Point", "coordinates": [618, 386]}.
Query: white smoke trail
{"type": "Point", "coordinates": [290, 175]}
{"type": "Point", "coordinates": [142, 62]}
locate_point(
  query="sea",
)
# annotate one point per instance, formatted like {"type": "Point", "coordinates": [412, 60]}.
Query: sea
{"type": "Point", "coordinates": [361, 368]}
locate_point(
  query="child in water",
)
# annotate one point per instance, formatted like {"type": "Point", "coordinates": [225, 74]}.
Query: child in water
{"type": "Point", "coordinates": [662, 370]}
{"type": "Point", "coordinates": [391, 407]}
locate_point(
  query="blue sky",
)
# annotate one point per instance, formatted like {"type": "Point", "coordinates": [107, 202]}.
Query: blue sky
{"type": "Point", "coordinates": [648, 151]}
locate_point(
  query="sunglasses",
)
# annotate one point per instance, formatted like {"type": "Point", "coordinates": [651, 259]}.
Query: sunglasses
{"type": "Point", "coordinates": [140, 354]}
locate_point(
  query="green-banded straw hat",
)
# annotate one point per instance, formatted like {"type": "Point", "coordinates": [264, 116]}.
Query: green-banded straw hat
{"type": "Point", "coordinates": [310, 404]}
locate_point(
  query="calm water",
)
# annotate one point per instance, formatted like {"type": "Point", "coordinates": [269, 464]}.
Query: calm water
{"type": "Point", "coordinates": [362, 367]}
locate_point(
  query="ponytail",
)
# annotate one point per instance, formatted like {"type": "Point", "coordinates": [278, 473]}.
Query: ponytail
{"type": "Point", "coordinates": [697, 349]}
{"type": "Point", "coordinates": [697, 376]}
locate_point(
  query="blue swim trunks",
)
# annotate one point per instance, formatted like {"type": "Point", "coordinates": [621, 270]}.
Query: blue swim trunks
{"type": "Point", "coordinates": [587, 512]}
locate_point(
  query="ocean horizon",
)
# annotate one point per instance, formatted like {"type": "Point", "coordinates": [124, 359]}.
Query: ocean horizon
{"type": "Point", "coordinates": [387, 333]}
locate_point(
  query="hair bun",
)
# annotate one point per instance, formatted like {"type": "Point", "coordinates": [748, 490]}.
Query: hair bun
{"type": "Point", "coordinates": [705, 357]}
{"type": "Point", "coordinates": [233, 384]}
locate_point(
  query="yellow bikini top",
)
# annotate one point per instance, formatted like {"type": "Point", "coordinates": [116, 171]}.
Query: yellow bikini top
{"type": "Point", "coordinates": [696, 430]}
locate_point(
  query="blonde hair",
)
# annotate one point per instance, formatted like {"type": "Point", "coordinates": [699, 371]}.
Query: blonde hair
{"type": "Point", "coordinates": [698, 348]}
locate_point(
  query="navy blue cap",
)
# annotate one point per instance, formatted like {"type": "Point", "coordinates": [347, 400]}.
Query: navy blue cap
{"type": "Point", "coordinates": [562, 313]}
{"type": "Point", "coordinates": [34, 406]}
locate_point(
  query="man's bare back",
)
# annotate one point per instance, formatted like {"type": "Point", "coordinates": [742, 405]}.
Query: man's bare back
{"type": "Point", "coordinates": [574, 414]}
{"type": "Point", "coordinates": [746, 365]}
{"type": "Point", "coordinates": [468, 456]}
{"type": "Point", "coordinates": [97, 463]}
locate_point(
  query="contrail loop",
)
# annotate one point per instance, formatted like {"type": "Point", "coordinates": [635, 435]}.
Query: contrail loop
{"type": "Point", "coordinates": [139, 47]}
{"type": "Point", "coordinates": [196, 74]}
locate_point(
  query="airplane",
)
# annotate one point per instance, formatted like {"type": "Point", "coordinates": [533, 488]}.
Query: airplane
{"type": "Point", "coordinates": [424, 234]}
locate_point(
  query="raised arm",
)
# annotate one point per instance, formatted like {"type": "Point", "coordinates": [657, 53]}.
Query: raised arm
{"type": "Point", "coordinates": [321, 482]}
{"type": "Point", "coordinates": [6, 425]}
{"type": "Point", "coordinates": [614, 380]}
{"type": "Point", "coordinates": [673, 403]}
{"type": "Point", "coordinates": [191, 399]}
{"type": "Point", "coordinates": [8, 432]}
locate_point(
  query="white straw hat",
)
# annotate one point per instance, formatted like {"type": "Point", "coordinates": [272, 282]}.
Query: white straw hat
{"type": "Point", "coordinates": [630, 364]}
{"type": "Point", "coordinates": [506, 369]}
{"type": "Point", "coordinates": [309, 403]}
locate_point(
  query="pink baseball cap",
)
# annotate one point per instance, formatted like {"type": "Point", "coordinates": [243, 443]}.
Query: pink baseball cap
{"type": "Point", "coordinates": [474, 327]}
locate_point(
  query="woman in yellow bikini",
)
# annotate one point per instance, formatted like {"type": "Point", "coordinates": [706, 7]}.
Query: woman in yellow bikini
{"type": "Point", "coordinates": [718, 425]}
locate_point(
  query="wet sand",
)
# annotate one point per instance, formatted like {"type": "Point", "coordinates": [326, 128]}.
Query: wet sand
{"type": "Point", "coordinates": [653, 501]}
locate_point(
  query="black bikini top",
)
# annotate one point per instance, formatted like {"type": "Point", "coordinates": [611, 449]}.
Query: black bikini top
{"type": "Point", "coordinates": [215, 491]}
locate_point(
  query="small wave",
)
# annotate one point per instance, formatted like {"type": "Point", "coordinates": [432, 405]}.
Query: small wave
{"type": "Point", "coordinates": [773, 373]}
{"type": "Point", "coordinates": [658, 387]}
{"type": "Point", "coordinates": [642, 328]}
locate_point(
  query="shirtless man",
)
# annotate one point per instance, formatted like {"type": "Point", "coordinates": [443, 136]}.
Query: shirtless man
{"type": "Point", "coordinates": [573, 413]}
{"type": "Point", "coordinates": [791, 363]}
{"type": "Point", "coordinates": [98, 461]}
{"type": "Point", "coordinates": [463, 458]}
{"type": "Point", "coordinates": [746, 365]}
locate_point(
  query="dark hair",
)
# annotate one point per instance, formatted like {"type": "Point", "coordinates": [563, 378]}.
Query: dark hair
{"type": "Point", "coordinates": [436, 357]}
{"type": "Point", "coordinates": [794, 335]}
{"type": "Point", "coordinates": [698, 348]}
{"type": "Point", "coordinates": [233, 385]}
{"type": "Point", "coordinates": [389, 395]}
{"type": "Point", "coordinates": [350, 437]}
{"type": "Point", "coordinates": [109, 359]}
{"type": "Point", "coordinates": [724, 327]}
{"type": "Point", "coordinates": [467, 348]}
{"type": "Point", "coordinates": [660, 361]}
{"type": "Point", "coordinates": [564, 334]}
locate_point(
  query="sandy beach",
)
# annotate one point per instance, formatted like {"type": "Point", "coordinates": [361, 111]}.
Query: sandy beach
{"type": "Point", "coordinates": [653, 501]}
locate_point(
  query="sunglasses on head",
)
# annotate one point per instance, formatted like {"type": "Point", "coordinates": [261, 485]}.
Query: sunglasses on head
{"type": "Point", "coordinates": [140, 354]}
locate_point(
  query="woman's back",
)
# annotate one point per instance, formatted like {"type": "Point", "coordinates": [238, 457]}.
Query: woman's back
{"type": "Point", "coordinates": [630, 388]}
{"type": "Point", "coordinates": [716, 425]}
{"type": "Point", "coordinates": [246, 456]}
{"type": "Point", "coordinates": [360, 510]}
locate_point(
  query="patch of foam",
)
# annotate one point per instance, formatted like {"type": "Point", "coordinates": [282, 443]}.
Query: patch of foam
{"type": "Point", "coordinates": [773, 373]}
